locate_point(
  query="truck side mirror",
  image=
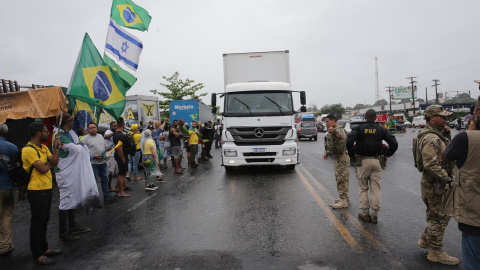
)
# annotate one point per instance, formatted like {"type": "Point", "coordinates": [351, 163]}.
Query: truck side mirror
{"type": "Point", "coordinates": [214, 100]}
{"type": "Point", "coordinates": [303, 109]}
{"type": "Point", "coordinates": [303, 98]}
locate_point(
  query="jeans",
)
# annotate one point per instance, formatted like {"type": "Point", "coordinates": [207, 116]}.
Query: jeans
{"type": "Point", "coordinates": [133, 162]}
{"type": "Point", "coordinates": [40, 204]}
{"type": "Point", "coordinates": [217, 140]}
{"type": "Point", "coordinates": [102, 171]}
{"type": "Point", "coordinates": [471, 251]}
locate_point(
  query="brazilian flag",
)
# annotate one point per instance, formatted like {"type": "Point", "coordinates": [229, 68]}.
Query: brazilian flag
{"type": "Point", "coordinates": [127, 78]}
{"type": "Point", "coordinates": [95, 83]}
{"type": "Point", "coordinates": [127, 13]}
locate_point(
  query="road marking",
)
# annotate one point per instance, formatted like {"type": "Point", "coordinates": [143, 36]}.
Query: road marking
{"type": "Point", "coordinates": [343, 231]}
{"type": "Point", "coordinates": [354, 221]}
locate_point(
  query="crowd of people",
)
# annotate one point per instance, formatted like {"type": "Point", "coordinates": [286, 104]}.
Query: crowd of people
{"type": "Point", "coordinates": [449, 183]}
{"type": "Point", "coordinates": [76, 160]}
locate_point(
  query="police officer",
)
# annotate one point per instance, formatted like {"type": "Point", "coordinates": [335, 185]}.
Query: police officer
{"type": "Point", "coordinates": [436, 174]}
{"type": "Point", "coordinates": [335, 144]}
{"type": "Point", "coordinates": [367, 151]}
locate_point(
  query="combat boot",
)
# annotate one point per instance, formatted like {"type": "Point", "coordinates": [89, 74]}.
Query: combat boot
{"type": "Point", "coordinates": [422, 243]}
{"type": "Point", "coordinates": [438, 255]}
{"type": "Point", "coordinates": [374, 218]}
{"type": "Point", "coordinates": [342, 203]}
{"type": "Point", "coordinates": [364, 216]}
{"type": "Point", "coordinates": [348, 199]}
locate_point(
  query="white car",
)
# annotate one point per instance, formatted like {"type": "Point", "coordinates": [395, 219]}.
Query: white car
{"type": "Point", "coordinates": [419, 121]}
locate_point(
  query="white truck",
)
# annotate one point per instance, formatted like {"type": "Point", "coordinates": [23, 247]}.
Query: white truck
{"type": "Point", "coordinates": [258, 117]}
{"type": "Point", "coordinates": [138, 108]}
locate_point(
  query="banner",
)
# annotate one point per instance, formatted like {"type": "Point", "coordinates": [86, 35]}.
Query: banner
{"type": "Point", "coordinates": [403, 92]}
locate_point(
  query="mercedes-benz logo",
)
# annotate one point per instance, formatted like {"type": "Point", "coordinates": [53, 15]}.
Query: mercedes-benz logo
{"type": "Point", "coordinates": [258, 132]}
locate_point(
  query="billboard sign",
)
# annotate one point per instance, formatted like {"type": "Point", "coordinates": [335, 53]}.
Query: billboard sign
{"type": "Point", "coordinates": [403, 92]}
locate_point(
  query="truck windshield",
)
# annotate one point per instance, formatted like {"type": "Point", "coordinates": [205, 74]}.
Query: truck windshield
{"type": "Point", "coordinates": [269, 103]}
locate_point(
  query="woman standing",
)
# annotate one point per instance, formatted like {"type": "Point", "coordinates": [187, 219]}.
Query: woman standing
{"type": "Point", "coordinates": [167, 149]}
{"type": "Point", "coordinates": [134, 160]}
{"type": "Point", "coordinates": [150, 160]}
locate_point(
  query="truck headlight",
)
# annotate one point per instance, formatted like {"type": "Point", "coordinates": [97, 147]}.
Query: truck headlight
{"type": "Point", "coordinates": [230, 153]}
{"type": "Point", "coordinates": [289, 151]}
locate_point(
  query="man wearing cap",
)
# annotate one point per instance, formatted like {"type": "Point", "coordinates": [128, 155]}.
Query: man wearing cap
{"type": "Point", "coordinates": [75, 179]}
{"type": "Point", "coordinates": [431, 142]}
{"type": "Point", "coordinates": [134, 160]}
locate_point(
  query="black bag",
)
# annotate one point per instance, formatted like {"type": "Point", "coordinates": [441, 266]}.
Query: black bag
{"type": "Point", "coordinates": [129, 147]}
{"type": "Point", "coordinates": [17, 173]}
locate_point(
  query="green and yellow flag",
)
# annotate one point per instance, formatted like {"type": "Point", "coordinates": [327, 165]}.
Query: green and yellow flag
{"type": "Point", "coordinates": [127, 13]}
{"type": "Point", "coordinates": [127, 78]}
{"type": "Point", "coordinates": [95, 83]}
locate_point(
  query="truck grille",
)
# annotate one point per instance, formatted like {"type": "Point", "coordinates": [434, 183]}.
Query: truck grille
{"type": "Point", "coordinates": [271, 135]}
{"type": "Point", "coordinates": [253, 160]}
{"type": "Point", "coordinates": [251, 154]}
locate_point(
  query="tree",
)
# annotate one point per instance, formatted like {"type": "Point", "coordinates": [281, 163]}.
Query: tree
{"type": "Point", "coordinates": [404, 101]}
{"type": "Point", "coordinates": [178, 89]}
{"type": "Point", "coordinates": [420, 100]}
{"type": "Point", "coordinates": [380, 102]}
{"type": "Point", "coordinates": [460, 98]}
{"type": "Point", "coordinates": [312, 108]}
{"type": "Point", "coordinates": [360, 106]}
{"type": "Point", "coordinates": [337, 109]}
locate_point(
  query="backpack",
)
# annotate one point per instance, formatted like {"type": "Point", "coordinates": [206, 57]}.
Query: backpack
{"type": "Point", "coordinates": [17, 173]}
{"type": "Point", "coordinates": [417, 154]}
{"type": "Point", "coordinates": [129, 148]}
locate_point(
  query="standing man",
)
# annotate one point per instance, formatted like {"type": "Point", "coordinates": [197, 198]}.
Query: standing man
{"type": "Point", "coordinates": [135, 159]}
{"type": "Point", "coordinates": [184, 130]}
{"type": "Point", "coordinates": [336, 144]}
{"type": "Point", "coordinates": [119, 139]}
{"type": "Point", "coordinates": [207, 137]}
{"type": "Point", "coordinates": [465, 150]}
{"type": "Point", "coordinates": [111, 163]}
{"type": "Point", "coordinates": [176, 137]}
{"type": "Point", "coordinates": [96, 146]}
{"type": "Point", "coordinates": [7, 150]}
{"type": "Point", "coordinates": [193, 143]}
{"type": "Point", "coordinates": [217, 135]}
{"type": "Point", "coordinates": [39, 189]}
{"type": "Point", "coordinates": [75, 179]}
{"type": "Point", "coordinates": [436, 174]}
{"type": "Point", "coordinates": [368, 149]}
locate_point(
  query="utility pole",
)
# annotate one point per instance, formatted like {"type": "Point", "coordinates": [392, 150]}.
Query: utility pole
{"type": "Point", "coordinates": [390, 90]}
{"type": "Point", "coordinates": [413, 92]}
{"type": "Point", "coordinates": [436, 94]}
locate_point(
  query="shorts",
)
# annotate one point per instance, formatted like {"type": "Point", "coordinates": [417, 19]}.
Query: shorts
{"type": "Point", "coordinates": [168, 152]}
{"type": "Point", "coordinates": [112, 166]}
{"type": "Point", "coordinates": [176, 151]}
{"type": "Point", "coordinates": [187, 148]}
{"type": "Point", "coordinates": [122, 167]}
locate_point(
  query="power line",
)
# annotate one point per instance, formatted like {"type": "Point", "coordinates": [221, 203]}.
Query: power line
{"type": "Point", "coordinates": [460, 65]}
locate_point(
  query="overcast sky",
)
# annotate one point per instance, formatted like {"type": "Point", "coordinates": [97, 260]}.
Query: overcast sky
{"type": "Point", "coordinates": [332, 43]}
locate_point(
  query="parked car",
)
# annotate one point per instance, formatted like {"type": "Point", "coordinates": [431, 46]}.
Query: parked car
{"type": "Point", "coordinates": [348, 125]}
{"type": "Point", "coordinates": [306, 130]}
{"type": "Point", "coordinates": [419, 121]}
{"type": "Point", "coordinates": [407, 124]}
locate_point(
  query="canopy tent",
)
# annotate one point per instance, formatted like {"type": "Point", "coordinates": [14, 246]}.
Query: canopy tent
{"type": "Point", "coordinates": [35, 103]}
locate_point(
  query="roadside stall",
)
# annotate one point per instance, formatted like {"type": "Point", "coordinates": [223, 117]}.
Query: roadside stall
{"type": "Point", "coordinates": [19, 109]}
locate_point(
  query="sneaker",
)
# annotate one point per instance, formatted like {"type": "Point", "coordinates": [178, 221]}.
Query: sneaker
{"type": "Point", "coordinates": [127, 176]}
{"type": "Point", "coordinates": [149, 187]}
{"type": "Point", "coordinates": [43, 261]}
{"type": "Point", "coordinates": [160, 180]}
{"type": "Point", "coordinates": [68, 237]}
{"type": "Point", "coordinates": [79, 229]}
{"type": "Point", "coordinates": [154, 186]}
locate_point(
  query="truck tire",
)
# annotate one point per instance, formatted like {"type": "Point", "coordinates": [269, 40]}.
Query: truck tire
{"type": "Point", "coordinates": [229, 169]}
{"type": "Point", "coordinates": [290, 167]}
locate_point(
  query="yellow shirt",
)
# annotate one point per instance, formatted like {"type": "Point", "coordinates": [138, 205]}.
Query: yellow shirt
{"type": "Point", "coordinates": [136, 138]}
{"type": "Point", "coordinates": [38, 181]}
{"type": "Point", "coordinates": [193, 139]}
{"type": "Point", "coordinates": [148, 147]}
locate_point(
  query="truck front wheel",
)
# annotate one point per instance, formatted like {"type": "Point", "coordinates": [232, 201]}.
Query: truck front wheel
{"type": "Point", "coordinates": [290, 167]}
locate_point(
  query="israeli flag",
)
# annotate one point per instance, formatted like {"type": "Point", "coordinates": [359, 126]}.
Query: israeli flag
{"type": "Point", "coordinates": [124, 46]}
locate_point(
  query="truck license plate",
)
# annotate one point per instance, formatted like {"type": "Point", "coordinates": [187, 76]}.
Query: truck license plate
{"type": "Point", "coordinates": [259, 150]}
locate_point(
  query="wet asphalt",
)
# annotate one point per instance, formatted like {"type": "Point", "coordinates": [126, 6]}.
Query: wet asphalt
{"type": "Point", "coordinates": [253, 218]}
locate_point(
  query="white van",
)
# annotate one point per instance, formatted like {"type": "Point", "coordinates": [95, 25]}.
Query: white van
{"type": "Point", "coordinates": [419, 121]}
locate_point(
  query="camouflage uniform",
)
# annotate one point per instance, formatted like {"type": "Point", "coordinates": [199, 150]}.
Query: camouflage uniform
{"type": "Point", "coordinates": [337, 146]}
{"type": "Point", "coordinates": [434, 177]}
